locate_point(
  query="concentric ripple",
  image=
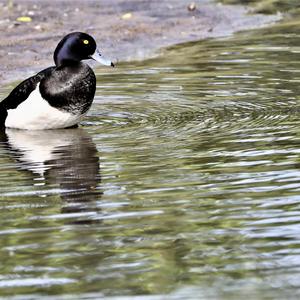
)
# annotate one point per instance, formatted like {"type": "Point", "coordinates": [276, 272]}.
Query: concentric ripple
{"type": "Point", "coordinates": [182, 183]}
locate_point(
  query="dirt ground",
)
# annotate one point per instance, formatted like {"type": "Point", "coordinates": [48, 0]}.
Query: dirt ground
{"type": "Point", "coordinates": [124, 29]}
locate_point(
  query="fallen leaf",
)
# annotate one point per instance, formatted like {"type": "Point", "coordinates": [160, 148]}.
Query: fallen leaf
{"type": "Point", "coordinates": [24, 19]}
{"type": "Point", "coordinates": [127, 16]}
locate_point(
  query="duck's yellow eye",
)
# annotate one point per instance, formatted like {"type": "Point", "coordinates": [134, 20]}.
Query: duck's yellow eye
{"type": "Point", "coordinates": [85, 42]}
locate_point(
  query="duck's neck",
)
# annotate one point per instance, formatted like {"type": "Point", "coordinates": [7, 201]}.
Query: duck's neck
{"type": "Point", "coordinates": [63, 57]}
{"type": "Point", "coordinates": [66, 63]}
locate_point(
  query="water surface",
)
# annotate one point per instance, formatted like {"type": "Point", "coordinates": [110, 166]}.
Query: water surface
{"type": "Point", "coordinates": [182, 183]}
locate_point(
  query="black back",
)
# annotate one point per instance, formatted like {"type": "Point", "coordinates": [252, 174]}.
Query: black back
{"type": "Point", "coordinates": [20, 93]}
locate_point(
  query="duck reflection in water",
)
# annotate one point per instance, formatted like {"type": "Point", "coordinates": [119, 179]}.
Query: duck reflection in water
{"type": "Point", "coordinates": [66, 158]}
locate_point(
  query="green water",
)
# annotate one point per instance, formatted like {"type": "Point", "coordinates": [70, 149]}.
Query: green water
{"type": "Point", "coordinates": [182, 183]}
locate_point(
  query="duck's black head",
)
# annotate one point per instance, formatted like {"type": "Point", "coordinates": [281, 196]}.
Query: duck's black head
{"type": "Point", "coordinates": [77, 46]}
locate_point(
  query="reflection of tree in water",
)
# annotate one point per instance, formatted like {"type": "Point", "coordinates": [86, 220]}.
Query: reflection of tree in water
{"type": "Point", "coordinates": [67, 158]}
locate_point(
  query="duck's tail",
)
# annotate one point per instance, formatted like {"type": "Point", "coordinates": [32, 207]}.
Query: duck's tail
{"type": "Point", "coordinates": [3, 115]}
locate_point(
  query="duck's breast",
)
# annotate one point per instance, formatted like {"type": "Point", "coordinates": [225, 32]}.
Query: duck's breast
{"type": "Point", "coordinates": [70, 88]}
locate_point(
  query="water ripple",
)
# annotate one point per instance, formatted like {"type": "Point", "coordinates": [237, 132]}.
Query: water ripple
{"type": "Point", "coordinates": [183, 180]}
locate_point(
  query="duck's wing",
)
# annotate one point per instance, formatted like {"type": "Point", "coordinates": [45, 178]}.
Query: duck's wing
{"type": "Point", "coordinates": [21, 92]}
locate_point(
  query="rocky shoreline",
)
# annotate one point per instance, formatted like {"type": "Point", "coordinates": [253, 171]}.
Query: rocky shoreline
{"type": "Point", "coordinates": [125, 30]}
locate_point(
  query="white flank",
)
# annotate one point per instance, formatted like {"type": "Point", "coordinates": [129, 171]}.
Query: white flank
{"type": "Point", "coordinates": [35, 113]}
